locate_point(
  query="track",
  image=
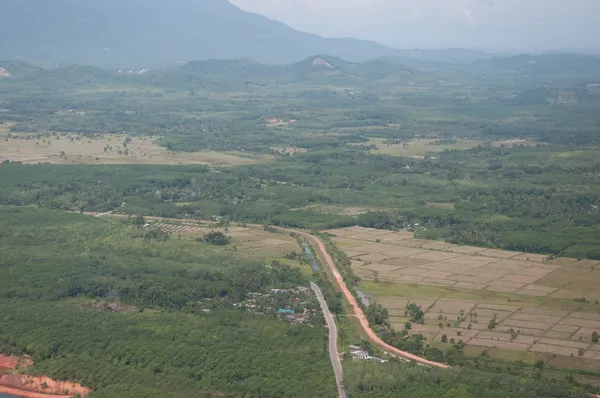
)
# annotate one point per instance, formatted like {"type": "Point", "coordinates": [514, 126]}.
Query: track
{"type": "Point", "coordinates": [333, 353]}
{"type": "Point", "coordinates": [358, 312]}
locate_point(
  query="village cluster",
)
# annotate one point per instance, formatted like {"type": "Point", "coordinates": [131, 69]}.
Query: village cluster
{"type": "Point", "coordinates": [297, 305]}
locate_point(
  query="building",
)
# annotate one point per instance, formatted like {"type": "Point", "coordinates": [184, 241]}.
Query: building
{"type": "Point", "coordinates": [359, 354]}
{"type": "Point", "coordinates": [283, 311]}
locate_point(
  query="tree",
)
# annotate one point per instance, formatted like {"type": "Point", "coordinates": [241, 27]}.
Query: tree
{"type": "Point", "coordinates": [595, 337]}
{"type": "Point", "coordinates": [407, 325]}
{"type": "Point", "coordinates": [377, 314]}
{"type": "Point", "coordinates": [415, 312]}
{"type": "Point", "coordinates": [216, 238]}
{"type": "Point", "coordinates": [493, 322]}
{"type": "Point", "coordinates": [444, 338]}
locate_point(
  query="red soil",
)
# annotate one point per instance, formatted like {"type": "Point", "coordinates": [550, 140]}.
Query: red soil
{"type": "Point", "coordinates": [33, 386]}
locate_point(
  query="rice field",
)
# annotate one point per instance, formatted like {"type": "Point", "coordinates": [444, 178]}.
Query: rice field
{"type": "Point", "coordinates": [540, 315]}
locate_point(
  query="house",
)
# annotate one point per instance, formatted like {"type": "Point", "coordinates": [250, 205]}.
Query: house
{"type": "Point", "coordinates": [359, 354]}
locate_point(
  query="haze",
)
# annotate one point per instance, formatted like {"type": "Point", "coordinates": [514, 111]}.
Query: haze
{"type": "Point", "coordinates": [535, 25]}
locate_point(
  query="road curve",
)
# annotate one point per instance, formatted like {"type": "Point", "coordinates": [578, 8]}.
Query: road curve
{"type": "Point", "coordinates": [358, 312]}
{"type": "Point", "coordinates": [333, 353]}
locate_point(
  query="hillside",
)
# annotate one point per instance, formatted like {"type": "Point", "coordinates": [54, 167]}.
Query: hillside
{"type": "Point", "coordinates": [137, 33]}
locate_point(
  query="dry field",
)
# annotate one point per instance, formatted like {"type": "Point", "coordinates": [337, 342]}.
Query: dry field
{"type": "Point", "coordinates": [250, 242]}
{"type": "Point", "coordinates": [336, 209]}
{"type": "Point", "coordinates": [67, 149]}
{"type": "Point", "coordinates": [463, 288]}
{"type": "Point", "coordinates": [417, 147]}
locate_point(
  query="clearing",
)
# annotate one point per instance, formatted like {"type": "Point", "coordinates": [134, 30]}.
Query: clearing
{"type": "Point", "coordinates": [246, 241]}
{"type": "Point", "coordinates": [417, 148]}
{"type": "Point", "coordinates": [109, 149]}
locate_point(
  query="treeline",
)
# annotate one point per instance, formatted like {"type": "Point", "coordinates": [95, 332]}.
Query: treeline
{"type": "Point", "coordinates": [521, 199]}
{"type": "Point", "coordinates": [482, 377]}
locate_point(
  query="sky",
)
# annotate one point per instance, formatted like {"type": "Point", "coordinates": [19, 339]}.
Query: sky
{"type": "Point", "coordinates": [534, 25]}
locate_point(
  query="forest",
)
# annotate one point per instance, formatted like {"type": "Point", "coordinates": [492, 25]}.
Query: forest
{"type": "Point", "coordinates": [181, 335]}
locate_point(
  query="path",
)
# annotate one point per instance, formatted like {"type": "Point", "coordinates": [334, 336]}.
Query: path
{"type": "Point", "coordinates": [358, 312]}
{"type": "Point", "coordinates": [333, 353]}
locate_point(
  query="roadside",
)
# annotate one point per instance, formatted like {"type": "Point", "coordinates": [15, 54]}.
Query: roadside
{"type": "Point", "coordinates": [359, 315]}
{"type": "Point", "coordinates": [333, 334]}
{"type": "Point", "coordinates": [358, 312]}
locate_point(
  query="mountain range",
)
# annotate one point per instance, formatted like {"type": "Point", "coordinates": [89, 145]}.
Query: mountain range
{"type": "Point", "coordinates": [160, 33]}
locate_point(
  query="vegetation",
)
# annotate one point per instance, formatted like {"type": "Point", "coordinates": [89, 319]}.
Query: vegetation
{"type": "Point", "coordinates": [477, 378]}
{"type": "Point", "coordinates": [499, 153]}
{"type": "Point", "coordinates": [217, 238]}
{"type": "Point", "coordinates": [183, 337]}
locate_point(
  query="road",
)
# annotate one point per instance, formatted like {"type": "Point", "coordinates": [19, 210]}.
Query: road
{"type": "Point", "coordinates": [358, 312]}
{"type": "Point", "coordinates": [333, 352]}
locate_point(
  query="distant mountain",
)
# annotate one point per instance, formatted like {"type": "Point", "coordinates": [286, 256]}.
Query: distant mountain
{"type": "Point", "coordinates": [318, 69]}
{"type": "Point", "coordinates": [154, 33]}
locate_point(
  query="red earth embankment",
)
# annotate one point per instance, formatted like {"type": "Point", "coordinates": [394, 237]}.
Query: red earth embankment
{"type": "Point", "coordinates": [34, 386]}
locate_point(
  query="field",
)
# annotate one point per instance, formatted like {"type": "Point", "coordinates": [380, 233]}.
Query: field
{"type": "Point", "coordinates": [418, 147]}
{"type": "Point", "coordinates": [247, 242]}
{"type": "Point", "coordinates": [109, 149]}
{"type": "Point", "coordinates": [490, 299]}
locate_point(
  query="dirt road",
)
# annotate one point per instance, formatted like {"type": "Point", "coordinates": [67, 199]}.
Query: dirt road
{"type": "Point", "coordinates": [358, 312]}
{"type": "Point", "coordinates": [333, 353]}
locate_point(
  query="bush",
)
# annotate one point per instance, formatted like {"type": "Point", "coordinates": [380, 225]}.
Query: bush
{"type": "Point", "coordinates": [217, 238]}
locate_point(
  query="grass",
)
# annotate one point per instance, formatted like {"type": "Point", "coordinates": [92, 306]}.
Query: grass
{"type": "Point", "coordinates": [387, 289]}
{"type": "Point", "coordinates": [141, 150]}
{"type": "Point", "coordinates": [418, 147]}
{"type": "Point", "coordinates": [338, 210]}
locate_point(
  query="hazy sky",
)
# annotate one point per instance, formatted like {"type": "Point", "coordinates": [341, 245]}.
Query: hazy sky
{"type": "Point", "coordinates": [491, 24]}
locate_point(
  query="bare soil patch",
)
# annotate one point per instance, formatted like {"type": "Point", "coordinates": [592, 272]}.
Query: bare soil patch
{"type": "Point", "coordinates": [498, 344]}
{"type": "Point", "coordinates": [557, 335]}
{"type": "Point", "coordinates": [67, 149]}
{"type": "Point", "coordinates": [498, 253]}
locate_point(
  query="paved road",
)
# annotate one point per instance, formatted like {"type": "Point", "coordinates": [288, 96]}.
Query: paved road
{"type": "Point", "coordinates": [333, 353]}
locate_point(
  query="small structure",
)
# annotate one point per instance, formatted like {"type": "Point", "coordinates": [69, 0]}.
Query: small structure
{"type": "Point", "coordinates": [283, 311]}
{"type": "Point", "coordinates": [359, 354]}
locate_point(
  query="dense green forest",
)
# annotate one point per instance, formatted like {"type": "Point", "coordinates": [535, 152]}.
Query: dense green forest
{"type": "Point", "coordinates": [182, 337]}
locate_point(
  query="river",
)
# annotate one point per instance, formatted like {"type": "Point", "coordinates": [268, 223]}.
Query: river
{"type": "Point", "coordinates": [315, 265]}
{"type": "Point", "coordinates": [7, 396]}
{"type": "Point", "coordinates": [361, 295]}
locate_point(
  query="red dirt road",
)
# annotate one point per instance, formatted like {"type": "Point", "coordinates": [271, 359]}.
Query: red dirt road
{"type": "Point", "coordinates": [358, 312]}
